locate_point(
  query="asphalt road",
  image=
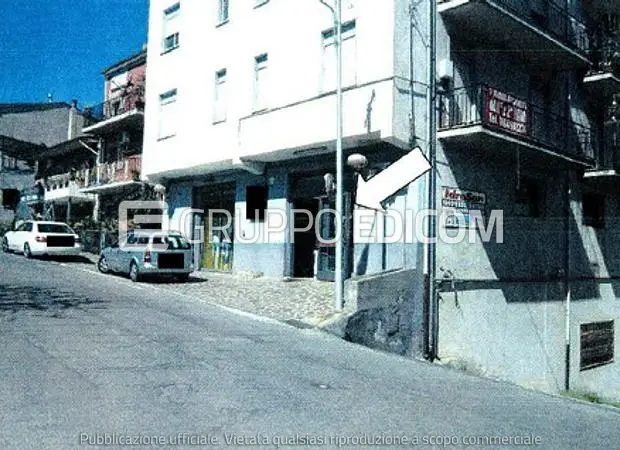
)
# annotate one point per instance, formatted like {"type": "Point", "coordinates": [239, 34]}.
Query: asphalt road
{"type": "Point", "coordinates": [93, 359]}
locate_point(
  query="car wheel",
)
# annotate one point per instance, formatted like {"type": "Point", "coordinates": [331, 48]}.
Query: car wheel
{"type": "Point", "coordinates": [27, 252]}
{"type": "Point", "coordinates": [133, 272]}
{"type": "Point", "coordinates": [5, 245]}
{"type": "Point", "coordinates": [102, 265]}
{"type": "Point", "coordinates": [183, 277]}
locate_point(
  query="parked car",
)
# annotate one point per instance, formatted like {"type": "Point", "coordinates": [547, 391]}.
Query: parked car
{"type": "Point", "coordinates": [147, 252]}
{"type": "Point", "coordinates": [34, 238]}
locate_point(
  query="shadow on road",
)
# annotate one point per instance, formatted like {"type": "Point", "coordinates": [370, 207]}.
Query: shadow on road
{"type": "Point", "coordinates": [161, 279]}
{"type": "Point", "coordinates": [68, 258]}
{"type": "Point", "coordinates": [173, 280]}
{"type": "Point", "coordinates": [22, 298]}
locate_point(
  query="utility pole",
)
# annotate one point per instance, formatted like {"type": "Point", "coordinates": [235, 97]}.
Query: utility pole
{"type": "Point", "coordinates": [339, 269]}
{"type": "Point", "coordinates": [339, 278]}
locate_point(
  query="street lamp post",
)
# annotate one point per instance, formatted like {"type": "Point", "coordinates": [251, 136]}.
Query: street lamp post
{"type": "Point", "coordinates": [339, 269]}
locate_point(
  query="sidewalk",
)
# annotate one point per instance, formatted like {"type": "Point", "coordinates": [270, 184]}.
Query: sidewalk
{"type": "Point", "coordinates": [300, 302]}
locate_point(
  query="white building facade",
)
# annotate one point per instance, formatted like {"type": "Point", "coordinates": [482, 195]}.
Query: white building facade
{"type": "Point", "coordinates": [241, 111]}
{"type": "Point", "coordinates": [241, 116]}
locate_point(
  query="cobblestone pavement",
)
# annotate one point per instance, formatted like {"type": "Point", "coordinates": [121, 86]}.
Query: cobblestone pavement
{"type": "Point", "coordinates": [307, 301]}
{"type": "Point", "coordinates": [303, 302]}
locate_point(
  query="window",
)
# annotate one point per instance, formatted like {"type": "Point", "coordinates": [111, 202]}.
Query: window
{"type": "Point", "coordinates": [349, 57]}
{"type": "Point", "coordinates": [593, 210]}
{"type": "Point", "coordinates": [219, 101]}
{"type": "Point", "coordinates": [171, 28]}
{"type": "Point", "coordinates": [54, 228]}
{"type": "Point", "coordinates": [256, 202]}
{"type": "Point", "coordinates": [10, 198]}
{"type": "Point", "coordinates": [173, 242]}
{"type": "Point", "coordinates": [597, 344]}
{"type": "Point", "coordinates": [171, 42]}
{"type": "Point", "coordinates": [260, 81]}
{"type": "Point", "coordinates": [528, 198]}
{"type": "Point", "coordinates": [8, 162]}
{"type": "Point", "coordinates": [222, 12]}
{"type": "Point", "coordinates": [167, 114]}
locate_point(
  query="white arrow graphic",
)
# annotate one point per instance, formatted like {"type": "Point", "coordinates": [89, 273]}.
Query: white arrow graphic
{"type": "Point", "coordinates": [410, 167]}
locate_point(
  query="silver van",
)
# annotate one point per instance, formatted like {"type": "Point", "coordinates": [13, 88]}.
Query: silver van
{"type": "Point", "coordinates": [149, 252]}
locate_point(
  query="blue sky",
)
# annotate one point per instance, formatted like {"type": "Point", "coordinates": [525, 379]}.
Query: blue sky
{"type": "Point", "coordinates": [61, 46]}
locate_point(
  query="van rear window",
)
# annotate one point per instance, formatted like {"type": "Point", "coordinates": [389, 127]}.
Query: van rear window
{"type": "Point", "coordinates": [173, 242]}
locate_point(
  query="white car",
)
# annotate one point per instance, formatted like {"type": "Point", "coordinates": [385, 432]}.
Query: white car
{"type": "Point", "coordinates": [33, 238]}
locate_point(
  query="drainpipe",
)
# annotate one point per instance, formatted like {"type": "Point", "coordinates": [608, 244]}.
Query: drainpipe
{"type": "Point", "coordinates": [431, 245]}
{"type": "Point", "coordinates": [567, 321]}
{"type": "Point", "coordinates": [567, 229]}
{"type": "Point", "coordinates": [411, 77]}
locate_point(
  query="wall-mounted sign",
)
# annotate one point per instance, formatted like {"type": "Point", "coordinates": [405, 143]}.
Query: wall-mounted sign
{"type": "Point", "coordinates": [506, 112]}
{"type": "Point", "coordinates": [458, 205]}
{"type": "Point", "coordinates": [34, 194]}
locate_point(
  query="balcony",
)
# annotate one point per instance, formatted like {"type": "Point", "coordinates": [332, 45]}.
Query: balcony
{"type": "Point", "coordinates": [62, 188]}
{"type": "Point", "coordinates": [596, 7]}
{"type": "Point", "coordinates": [543, 32]}
{"type": "Point", "coordinates": [113, 176]}
{"type": "Point", "coordinates": [608, 160]}
{"type": "Point", "coordinates": [122, 112]}
{"type": "Point", "coordinates": [306, 128]}
{"type": "Point", "coordinates": [603, 78]}
{"type": "Point", "coordinates": [485, 118]}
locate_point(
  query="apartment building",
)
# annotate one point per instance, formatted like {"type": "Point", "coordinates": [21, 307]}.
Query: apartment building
{"type": "Point", "coordinates": [248, 124]}
{"type": "Point", "coordinates": [26, 130]}
{"type": "Point", "coordinates": [117, 130]}
{"type": "Point", "coordinates": [241, 117]}
{"type": "Point", "coordinates": [524, 127]}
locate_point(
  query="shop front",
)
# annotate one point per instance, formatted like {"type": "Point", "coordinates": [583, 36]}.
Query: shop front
{"type": "Point", "coordinates": [216, 224]}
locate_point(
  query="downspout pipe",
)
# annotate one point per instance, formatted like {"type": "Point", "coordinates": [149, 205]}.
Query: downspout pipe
{"type": "Point", "coordinates": [567, 286]}
{"type": "Point", "coordinates": [432, 320]}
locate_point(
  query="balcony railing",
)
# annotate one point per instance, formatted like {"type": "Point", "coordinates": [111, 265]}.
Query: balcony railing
{"type": "Point", "coordinates": [79, 178]}
{"type": "Point", "coordinates": [503, 113]}
{"type": "Point", "coordinates": [606, 56]}
{"type": "Point", "coordinates": [129, 101]}
{"type": "Point", "coordinates": [609, 157]}
{"type": "Point", "coordinates": [549, 17]}
{"type": "Point", "coordinates": [127, 169]}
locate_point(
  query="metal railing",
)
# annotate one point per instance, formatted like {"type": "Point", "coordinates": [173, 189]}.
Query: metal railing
{"type": "Point", "coordinates": [609, 156]}
{"type": "Point", "coordinates": [131, 100]}
{"type": "Point", "coordinates": [550, 17]}
{"type": "Point", "coordinates": [126, 169]}
{"type": "Point", "coordinates": [79, 178]}
{"type": "Point", "coordinates": [506, 114]}
{"type": "Point", "coordinates": [605, 56]}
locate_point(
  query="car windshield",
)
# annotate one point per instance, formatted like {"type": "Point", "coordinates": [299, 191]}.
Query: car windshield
{"type": "Point", "coordinates": [54, 228]}
{"type": "Point", "coordinates": [173, 242]}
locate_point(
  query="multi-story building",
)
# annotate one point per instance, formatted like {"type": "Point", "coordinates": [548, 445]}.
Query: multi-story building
{"type": "Point", "coordinates": [63, 171]}
{"type": "Point", "coordinates": [241, 117]}
{"type": "Point", "coordinates": [118, 127]}
{"type": "Point", "coordinates": [522, 129]}
{"type": "Point", "coordinates": [257, 132]}
{"type": "Point", "coordinates": [27, 129]}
